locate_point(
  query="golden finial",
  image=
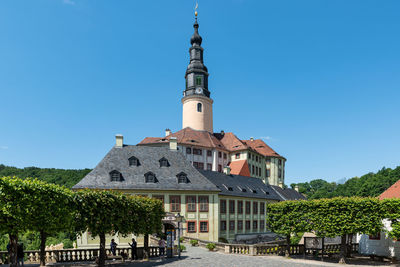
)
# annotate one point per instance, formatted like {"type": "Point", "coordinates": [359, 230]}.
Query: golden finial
{"type": "Point", "coordinates": [195, 9]}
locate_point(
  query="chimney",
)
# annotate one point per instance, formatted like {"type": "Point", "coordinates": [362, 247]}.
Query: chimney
{"type": "Point", "coordinates": [251, 139]}
{"type": "Point", "coordinates": [280, 184]}
{"type": "Point", "coordinates": [119, 140]}
{"type": "Point", "coordinates": [222, 132]}
{"type": "Point", "coordinates": [227, 170]}
{"type": "Point", "coordinates": [173, 143]}
{"type": "Point", "coordinates": [296, 187]}
{"type": "Point", "coordinates": [167, 132]}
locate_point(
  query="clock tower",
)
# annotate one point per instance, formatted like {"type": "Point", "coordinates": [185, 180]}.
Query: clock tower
{"type": "Point", "coordinates": [197, 104]}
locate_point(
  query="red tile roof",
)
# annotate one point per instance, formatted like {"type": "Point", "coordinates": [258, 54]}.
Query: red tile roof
{"type": "Point", "coordinates": [232, 143]}
{"type": "Point", "coordinates": [391, 192]}
{"type": "Point", "coordinates": [240, 167]}
{"type": "Point", "coordinates": [261, 147]}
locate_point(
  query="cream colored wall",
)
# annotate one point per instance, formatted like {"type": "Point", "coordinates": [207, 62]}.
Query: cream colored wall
{"type": "Point", "coordinates": [197, 120]}
{"type": "Point", "coordinates": [274, 167]}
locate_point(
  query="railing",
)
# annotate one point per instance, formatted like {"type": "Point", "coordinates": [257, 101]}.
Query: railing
{"type": "Point", "coordinates": [73, 255]}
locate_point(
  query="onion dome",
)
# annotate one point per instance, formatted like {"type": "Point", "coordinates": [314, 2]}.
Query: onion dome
{"type": "Point", "coordinates": [196, 38]}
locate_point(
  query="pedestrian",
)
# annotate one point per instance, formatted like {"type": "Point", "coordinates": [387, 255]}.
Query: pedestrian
{"type": "Point", "coordinates": [161, 246]}
{"type": "Point", "coordinates": [134, 250]}
{"type": "Point", "coordinates": [20, 254]}
{"type": "Point", "coordinates": [113, 247]}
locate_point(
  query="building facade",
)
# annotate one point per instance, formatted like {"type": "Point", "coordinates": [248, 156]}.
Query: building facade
{"type": "Point", "coordinates": [207, 150]}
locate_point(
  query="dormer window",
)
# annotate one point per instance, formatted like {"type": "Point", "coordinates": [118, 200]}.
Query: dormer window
{"type": "Point", "coordinates": [182, 178]}
{"type": "Point", "coordinates": [242, 189]}
{"type": "Point", "coordinates": [150, 177]}
{"type": "Point", "coordinates": [164, 162]}
{"type": "Point", "coordinates": [199, 107]}
{"type": "Point", "coordinates": [133, 161]}
{"type": "Point", "coordinates": [115, 176]}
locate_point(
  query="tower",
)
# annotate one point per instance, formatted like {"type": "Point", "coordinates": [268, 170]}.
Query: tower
{"type": "Point", "coordinates": [196, 101]}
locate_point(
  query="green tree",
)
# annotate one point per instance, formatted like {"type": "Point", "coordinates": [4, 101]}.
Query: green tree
{"type": "Point", "coordinates": [14, 206]}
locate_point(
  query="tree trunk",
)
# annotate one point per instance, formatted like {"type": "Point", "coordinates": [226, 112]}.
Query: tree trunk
{"type": "Point", "coordinates": [343, 248]}
{"type": "Point", "coordinates": [43, 237]}
{"type": "Point", "coordinates": [13, 249]}
{"type": "Point", "coordinates": [287, 251]}
{"type": "Point", "coordinates": [102, 256]}
{"type": "Point", "coordinates": [349, 243]}
{"type": "Point", "coordinates": [146, 247]}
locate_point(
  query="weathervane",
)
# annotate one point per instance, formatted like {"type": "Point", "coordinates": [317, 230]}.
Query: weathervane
{"type": "Point", "coordinates": [195, 9]}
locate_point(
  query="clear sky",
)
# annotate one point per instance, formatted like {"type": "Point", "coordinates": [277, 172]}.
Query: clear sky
{"type": "Point", "coordinates": [319, 80]}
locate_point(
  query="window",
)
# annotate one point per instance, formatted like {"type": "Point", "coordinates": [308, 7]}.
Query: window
{"type": "Point", "coordinates": [240, 225]}
{"type": "Point", "coordinates": [252, 169]}
{"type": "Point", "coordinates": [198, 165]}
{"type": "Point", "coordinates": [209, 153]}
{"type": "Point", "coordinates": [197, 151]}
{"type": "Point", "coordinates": [262, 225]}
{"type": "Point", "coordinates": [222, 205]}
{"type": "Point", "coordinates": [249, 156]}
{"type": "Point", "coordinates": [224, 155]}
{"type": "Point", "coordinates": [262, 208]}
{"type": "Point", "coordinates": [255, 225]}
{"type": "Point", "coordinates": [257, 158]}
{"type": "Point", "coordinates": [252, 156]}
{"type": "Point", "coordinates": [159, 197]}
{"type": "Point", "coordinates": [231, 206]}
{"type": "Point", "coordinates": [375, 237]}
{"type": "Point", "coordinates": [199, 107]}
{"type": "Point", "coordinates": [232, 225]}
{"type": "Point", "coordinates": [191, 203]}
{"type": "Point", "coordinates": [164, 162]}
{"type": "Point", "coordinates": [248, 204]}
{"type": "Point", "coordinates": [188, 150]}
{"type": "Point", "coordinates": [209, 166]}
{"type": "Point", "coordinates": [133, 161]}
{"type": "Point", "coordinates": [268, 172]}
{"type": "Point", "coordinates": [191, 227]}
{"type": "Point", "coordinates": [237, 156]}
{"type": "Point", "coordinates": [268, 160]}
{"type": "Point", "coordinates": [255, 208]}
{"type": "Point", "coordinates": [219, 154]}
{"type": "Point", "coordinates": [247, 225]}
{"type": "Point", "coordinates": [240, 207]}
{"type": "Point", "coordinates": [223, 225]}
{"type": "Point", "coordinates": [220, 168]}
{"type": "Point", "coordinates": [150, 177]}
{"type": "Point", "coordinates": [280, 162]}
{"type": "Point", "coordinates": [279, 173]}
{"type": "Point", "coordinates": [204, 227]}
{"type": "Point", "coordinates": [182, 178]}
{"type": "Point", "coordinates": [198, 80]}
{"type": "Point", "coordinates": [203, 203]}
{"type": "Point", "coordinates": [175, 202]}
{"type": "Point", "coordinates": [115, 176]}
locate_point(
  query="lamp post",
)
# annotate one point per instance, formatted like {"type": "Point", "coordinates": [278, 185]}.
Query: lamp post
{"type": "Point", "coordinates": [179, 219]}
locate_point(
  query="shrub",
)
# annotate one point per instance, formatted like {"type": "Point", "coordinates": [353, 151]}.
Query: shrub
{"type": "Point", "coordinates": [183, 248]}
{"type": "Point", "coordinates": [211, 246]}
{"type": "Point", "coordinates": [181, 239]}
{"type": "Point", "coordinates": [194, 242]}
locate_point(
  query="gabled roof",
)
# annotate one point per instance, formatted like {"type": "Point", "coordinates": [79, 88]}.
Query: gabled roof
{"type": "Point", "coordinates": [231, 142]}
{"type": "Point", "coordinates": [133, 176]}
{"type": "Point", "coordinates": [231, 185]}
{"type": "Point", "coordinates": [288, 193]}
{"type": "Point", "coordinates": [188, 136]}
{"type": "Point", "coordinates": [391, 192]}
{"type": "Point", "coordinates": [240, 167]}
{"type": "Point", "coordinates": [261, 147]}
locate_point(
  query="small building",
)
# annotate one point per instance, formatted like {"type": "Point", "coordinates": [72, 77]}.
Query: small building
{"type": "Point", "coordinates": [216, 206]}
{"type": "Point", "coordinates": [381, 244]}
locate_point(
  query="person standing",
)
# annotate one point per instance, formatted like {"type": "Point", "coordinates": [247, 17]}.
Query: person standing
{"type": "Point", "coordinates": [20, 254]}
{"type": "Point", "coordinates": [134, 250]}
{"type": "Point", "coordinates": [161, 245]}
{"type": "Point", "coordinates": [113, 247]}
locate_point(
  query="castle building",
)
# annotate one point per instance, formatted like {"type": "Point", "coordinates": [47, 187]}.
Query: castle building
{"type": "Point", "coordinates": [207, 150]}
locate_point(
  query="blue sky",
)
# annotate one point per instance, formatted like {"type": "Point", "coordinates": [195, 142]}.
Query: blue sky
{"type": "Point", "coordinates": [319, 80]}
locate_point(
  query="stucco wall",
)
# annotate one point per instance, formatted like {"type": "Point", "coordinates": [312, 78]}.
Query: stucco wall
{"type": "Point", "coordinates": [197, 120]}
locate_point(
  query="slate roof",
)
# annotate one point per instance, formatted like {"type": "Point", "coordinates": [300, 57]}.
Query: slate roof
{"type": "Point", "coordinates": [288, 193]}
{"type": "Point", "coordinates": [235, 182]}
{"type": "Point", "coordinates": [133, 176]}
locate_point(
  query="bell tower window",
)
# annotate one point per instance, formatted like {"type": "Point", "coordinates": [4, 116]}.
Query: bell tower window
{"type": "Point", "coordinates": [198, 80]}
{"type": "Point", "coordinates": [199, 107]}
